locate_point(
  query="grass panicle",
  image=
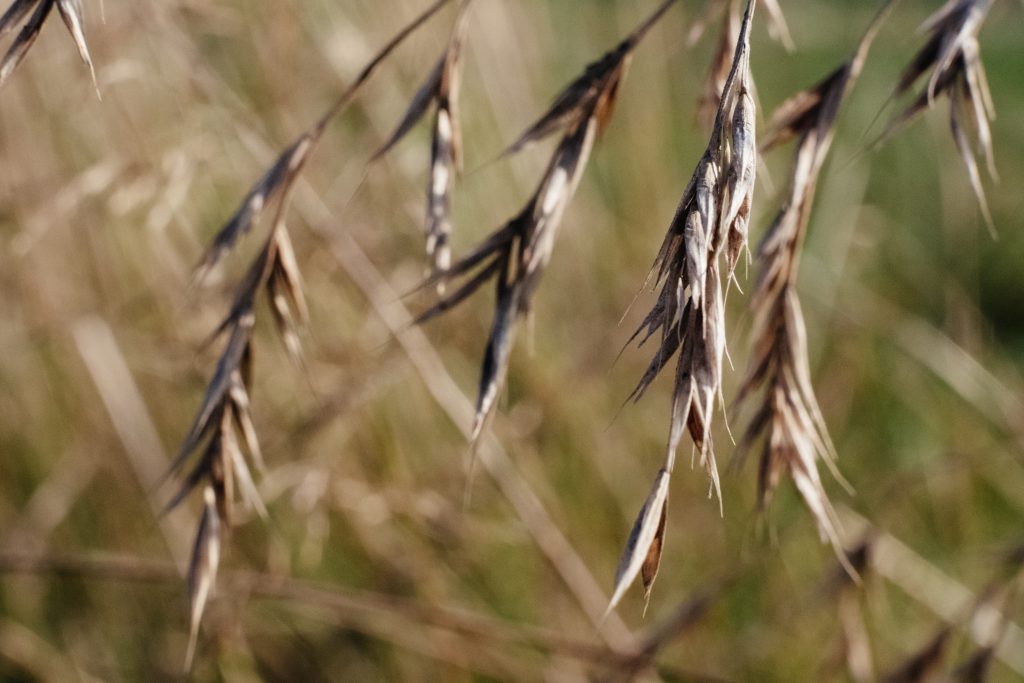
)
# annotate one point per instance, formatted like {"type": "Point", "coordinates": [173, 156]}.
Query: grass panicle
{"type": "Point", "coordinates": [706, 235]}
{"type": "Point", "coordinates": [789, 419]}
{"type": "Point", "coordinates": [224, 414]}
{"type": "Point", "coordinates": [953, 57]}
{"type": "Point", "coordinates": [516, 255]}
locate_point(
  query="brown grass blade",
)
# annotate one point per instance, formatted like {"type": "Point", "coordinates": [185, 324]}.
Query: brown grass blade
{"type": "Point", "coordinates": [953, 57]}
{"type": "Point", "coordinates": [239, 408]}
{"type": "Point", "coordinates": [440, 88]}
{"type": "Point", "coordinates": [496, 354]}
{"type": "Point", "coordinates": [15, 13]}
{"type": "Point", "coordinates": [462, 293]}
{"type": "Point", "coordinates": [643, 548]}
{"type": "Point", "coordinates": [202, 571]}
{"type": "Point", "coordinates": [220, 385]}
{"type": "Point", "coordinates": [71, 13]}
{"type": "Point", "coordinates": [284, 289]}
{"type": "Point", "coordinates": [568, 108]}
{"type": "Point", "coordinates": [246, 486]}
{"type": "Point", "coordinates": [421, 101]}
{"type": "Point", "coordinates": [593, 92]}
{"type": "Point", "coordinates": [200, 470]}
{"type": "Point", "coordinates": [222, 475]}
{"type": "Point", "coordinates": [262, 193]}
{"type": "Point", "coordinates": [963, 146]}
{"type": "Point", "coordinates": [25, 38]}
{"type": "Point", "coordinates": [789, 419]}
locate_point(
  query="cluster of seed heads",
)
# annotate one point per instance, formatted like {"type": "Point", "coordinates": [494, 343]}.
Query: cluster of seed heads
{"type": "Point", "coordinates": [692, 273]}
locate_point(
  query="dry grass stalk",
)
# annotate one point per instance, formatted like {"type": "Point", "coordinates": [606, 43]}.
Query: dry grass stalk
{"type": "Point", "coordinates": [709, 227]}
{"type": "Point", "coordinates": [953, 56]}
{"type": "Point", "coordinates": [224, 414]}
{"type": "Point", "coordinates": [70, 12]}
{"type": "Point", "coordinates": [441, 89]}
{"type": "Point", "coordinates": [516, 255]}
{"type": "Point", "coordinates": [790, 420]}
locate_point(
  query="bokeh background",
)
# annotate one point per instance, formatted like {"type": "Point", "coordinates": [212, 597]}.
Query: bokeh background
{"type": "Point", "coordinates": [914, 316]}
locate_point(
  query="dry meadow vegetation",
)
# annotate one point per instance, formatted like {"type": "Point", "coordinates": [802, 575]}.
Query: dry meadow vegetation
{"type": "Point", "coordinates": [413, 339]}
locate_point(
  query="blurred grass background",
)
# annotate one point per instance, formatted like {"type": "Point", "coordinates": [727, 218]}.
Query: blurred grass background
{"type": "Point", "coordinates": [913, 314]}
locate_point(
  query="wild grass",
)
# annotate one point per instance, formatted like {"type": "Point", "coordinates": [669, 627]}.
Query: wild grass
{"type": "Point", "coordinates": [876, 326]}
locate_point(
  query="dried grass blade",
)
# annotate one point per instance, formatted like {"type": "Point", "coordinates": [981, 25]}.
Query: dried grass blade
{"type": "Point", "coordinates": [496, 355]}
{"type": "Point", "coordinates": [421, 101]}
{"type": "Point", "coordinates": [592, 93]}
{"type": "Point", "coordinates": [280, 174]}
{"type": "Point", "coordinates": [221, 475]}
{"type": "Point", "coordinates": [26, 37]}
{"type": "Point", "coordinates": [219, 386]}
{"type": "Point", "coordinates": [287, 267]}
{"type": "Point", "coordinates": [71, 13]}
{"type": "Point", "coordinates": [202, 572]}
{"type": "Point", "coordinates": [461, 294]}
{"type": "Point", "coordinates": [15, 13]}
{"type": "Point", "coordinates": [953, 56]}
{"type": "Point", "coordinates": [963, 146]}
{"type": "Point", "coordinates": [241, 414]}
{"type": "Point", "coordinates": [199, 471]}
{"type": "Point", "coordinates": [246, 486]}
{"type": "Point", "coordinates": [644, 546]}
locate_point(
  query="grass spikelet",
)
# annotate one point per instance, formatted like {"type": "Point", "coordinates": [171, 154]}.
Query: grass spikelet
{"type": "Point", "coordinates": [953, 57]}
{"type": "Point", "coordinates": [516, 255]}
{"type": "Point", "coordinates": [689, 309]}
{"type": "Point", "coordinates": [202, 571]}
{"type": "Point", "coordinates": [441, 89]}
{"type": "Point", "coordinates": [70, 12]}
{"type": "Point", "coordinates": [790, 421]}
{"type": "Point", "coordinates": [646, 540]}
